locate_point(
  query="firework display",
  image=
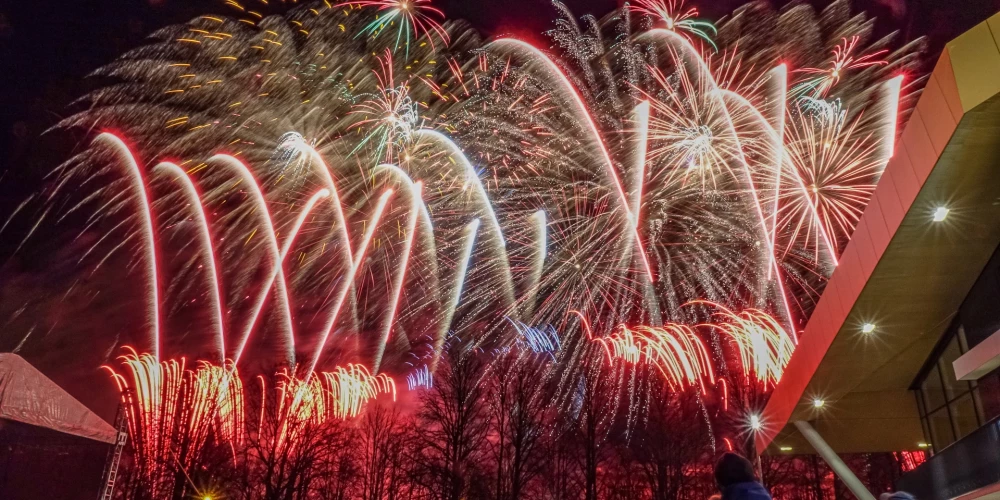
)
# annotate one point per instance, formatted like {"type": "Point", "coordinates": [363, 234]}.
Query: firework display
{"type": "Point", "coordinates": [355, 184]}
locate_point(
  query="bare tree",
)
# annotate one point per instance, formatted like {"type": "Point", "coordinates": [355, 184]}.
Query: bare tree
{"type": "Point", "coordinates": [623, 478]}
{"type": "Point", "coordinates": [794, 476]}
{"type": "Point", "coordinates": [674, 437]}
{"type": "Point", "coordinates": [561, 476]}
{"type": "Point", "coordinates": [453, 420]}
{"type": "Point", "coordinates": [382, 450]}
{"type": "Point", "coordinates": [518, 421]}
{"type": "Point", "coordinates": [339, 480]}
{"type": "Point", "coordinates": [598, 406]}
{"type": "Point", "coordinates": [285, 456]}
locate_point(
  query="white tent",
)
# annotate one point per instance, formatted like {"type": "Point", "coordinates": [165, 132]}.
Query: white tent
{"type": "Point", "coordinates": [30, 397]}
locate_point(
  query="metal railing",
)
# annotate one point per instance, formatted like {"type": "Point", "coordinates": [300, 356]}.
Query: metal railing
{"type": "Point", "coordinates": [970, 463]}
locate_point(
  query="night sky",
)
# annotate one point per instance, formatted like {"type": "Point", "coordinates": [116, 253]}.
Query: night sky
{"type": "Point", "coordinates": [47, 48]}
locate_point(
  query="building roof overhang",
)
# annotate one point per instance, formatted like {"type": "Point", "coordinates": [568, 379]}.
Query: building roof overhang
{"type": "Point", "coordinates": [902, 271]}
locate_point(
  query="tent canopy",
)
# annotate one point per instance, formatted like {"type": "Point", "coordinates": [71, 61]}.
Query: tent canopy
{"type": "Point", "coordinates": [28, 396]}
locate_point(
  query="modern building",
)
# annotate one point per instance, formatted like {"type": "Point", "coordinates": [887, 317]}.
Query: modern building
{"type": "Point", "coordinates": [902, 350]}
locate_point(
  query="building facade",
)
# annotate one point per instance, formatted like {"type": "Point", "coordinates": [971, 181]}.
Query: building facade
{"type": "Point", "coordinates": [902, 352]}
{"type": "Point", "coordinates": [960, 412]}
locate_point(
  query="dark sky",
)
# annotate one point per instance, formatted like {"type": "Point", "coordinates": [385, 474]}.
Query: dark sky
{"type": "Point", "coordinates": [47, 47]}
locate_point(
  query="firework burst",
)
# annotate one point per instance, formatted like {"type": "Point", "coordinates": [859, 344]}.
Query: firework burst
{"type": "Point", "coordinates": [521, 195]}
{"type": "Point", "coordinates": [390, 117]}
{"type": "Point", "coordinates": [844, 59]}
{"type": "Point", "coordinates": [411, 19]}
{"type": "Point", "coordinates": [173, 411]}
{"type": "Point", "coordinates": [677, 18]}
{"type": "Point", "coordinates": [328, 203]}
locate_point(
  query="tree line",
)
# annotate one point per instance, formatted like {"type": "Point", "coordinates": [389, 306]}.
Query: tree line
{"type": "Point", "coordinates": [509, 424]}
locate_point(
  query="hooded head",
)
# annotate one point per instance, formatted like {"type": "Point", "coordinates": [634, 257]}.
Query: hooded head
{"type": "Point", "coordinates": [899, 495]}
{"type": "Point", "coordinates": [732, 469]}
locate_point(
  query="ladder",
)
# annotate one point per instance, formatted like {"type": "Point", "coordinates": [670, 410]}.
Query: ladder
{"type": "Point", "coordinates": [114, 457]}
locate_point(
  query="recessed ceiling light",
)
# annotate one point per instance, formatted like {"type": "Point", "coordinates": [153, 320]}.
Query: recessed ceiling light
{"type": "Point", "coordinates": [940, 214]}
{"type": "Point", "coordinates": [867, 328]}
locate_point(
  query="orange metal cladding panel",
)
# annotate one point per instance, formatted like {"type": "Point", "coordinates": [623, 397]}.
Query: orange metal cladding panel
{"type": "Point", "coordinates": [976, 64]}
{"type": "Point", "coordinates": [832, 295]}
{"type": "Point", "coordinates": [918, 145]}
{"type": "Point", "coordinates": [843, 290]}
{"type": "Point", "coordinates": [855, 280]}
{"type": "Point", "coordinates": [861, 272]}
{"type": "Point", "coordinates": [891, 210]}
{"type": "Point", "coordinates": [866, 250]}
{"type": "Point", "coordinates": [944, 75]}
{"type": "Point", "coordinates": [825, 313]}
{"type": "Point", "coordinates": [874, 219]}
{"type": "Point", "coordinates": [914, 157]}
{"type": "Point", "coordinates": [937, 118]}
{"type": "Point", "coordinates": [907, 185]}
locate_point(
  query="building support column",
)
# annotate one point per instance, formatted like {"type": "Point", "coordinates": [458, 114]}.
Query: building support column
{"type": "Point", "coordinates": [833, 460]}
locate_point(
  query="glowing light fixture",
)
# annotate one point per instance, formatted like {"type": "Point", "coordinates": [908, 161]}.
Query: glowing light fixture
{"type": "Point", "coordinates": [755, 423]}
{"type": "Point", "coordinates": [818, 403]}
{"type": "Point", "coordinates": [923, 445]}
{"type": "Point", "coordinates": [940, 214]}
{"type": "Point", "coordinates": [868, 328]}
{"type": "Point", "coordinates": [785, 448]}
